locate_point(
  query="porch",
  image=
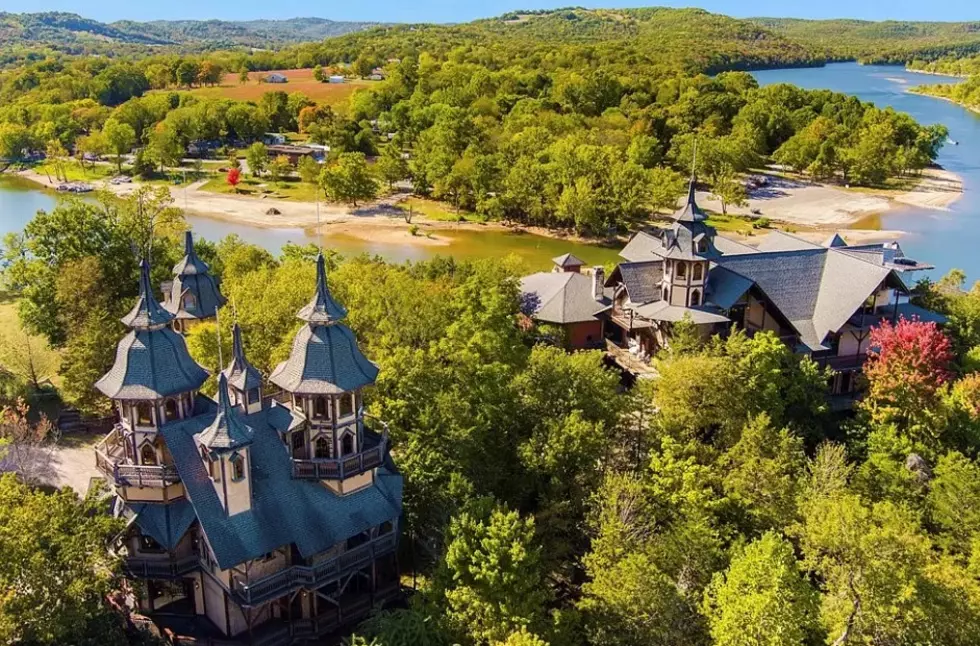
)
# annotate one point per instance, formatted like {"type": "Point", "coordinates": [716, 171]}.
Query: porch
{"type": "Point", "coordinates": [114, 460]}
{"type": "Point", "coordinates": [370, 457]}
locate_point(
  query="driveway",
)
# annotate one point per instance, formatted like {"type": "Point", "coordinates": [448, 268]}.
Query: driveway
{"type": "Point", "coordinates": [73, 463]}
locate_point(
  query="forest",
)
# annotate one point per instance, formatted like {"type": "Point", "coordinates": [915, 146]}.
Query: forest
{"type": "Point", "coordinates": [722, 503]}
{"type": "Point", "coordinates": [588, 136]}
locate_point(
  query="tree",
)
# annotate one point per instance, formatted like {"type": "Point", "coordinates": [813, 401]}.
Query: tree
{"type": "Point", "coordinates": [14, 140]}
{"type": "Point", "coordinates": [233, 178]}
{"type": "Point", "coordinates": [492, 584]}
{"type": "Point", "coordinates": [309, 170]}
{"type": "Point", "coordinates": [318, 74]}
{"type": "Point", "coordinates": [26, 447]}
{"type": "Point", "coordinates": [56, 568]}
{"type": "Point", "coordinates": [391, 167]}
{"type": "Point", "coordinates": [348, 179]}
{"type": "Point", "coordinates": [56, 154]}
{"type": "Point", "coordinates": [93, 145]}
{"type": "Point", "coordinates": [27, 356]}
{"type": "Point", "coordinates": [187, 73]}
{"type": "Point", "coordinates": [119, 138]}
{"type": "Point", "coordinates": [728, 189]}
{"type": "Point", "coordinates": [279, 168]}
{"type": "Point", "coordinates": [243, 75]}
{"type": "Point", "coordinates": [257, 156]}
{"type": "Point", "coordinates": [908, 364]}
{"type": "Point", "coordinates": [762, 599]}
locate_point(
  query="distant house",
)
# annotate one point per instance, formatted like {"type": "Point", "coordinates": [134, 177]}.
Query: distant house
{"type": "Point", "coordinates": [273, 138]}
{"type": "Point", "coordinates": [294, 153]}
{"type": "Point", "coordinates": [569, 299]}
{"type": "Point", "coordinates": [377, 74]}
{"type": "Point", "coordinates": [275, 77]}
{"type": "Point", "coordinates": [336, 78]}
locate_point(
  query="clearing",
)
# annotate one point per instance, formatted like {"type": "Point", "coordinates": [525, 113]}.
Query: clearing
{"type": "Point", "coordinates": [300, 80]}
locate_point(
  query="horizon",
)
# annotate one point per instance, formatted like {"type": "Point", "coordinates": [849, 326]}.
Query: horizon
{"type": "Point", "coordinates": [450, 11]}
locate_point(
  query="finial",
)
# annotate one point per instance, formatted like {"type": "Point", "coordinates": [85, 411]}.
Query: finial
{"type": "Point", "coordinates": [694, 161]}
{"type": "Point", "coordinates": [145, 289]}
{"type": "Point", "coordinates": [224, 401]}
{"type": "Point", "coordinates": [237, 348]}
{"type": "Point", "coordinates": [188, 243]}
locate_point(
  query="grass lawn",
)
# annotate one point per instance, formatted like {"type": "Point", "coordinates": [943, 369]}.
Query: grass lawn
{"type": "Point", "coordinates": [288, 189]}
{"type": "Point", "coordinates": [441, 211]}
{"type": "Point", "coordinates": [78, 173]}
{"type": "Point", "coordinates": [300, 80]}
{"type": "Point", "coordinates": [732, 224]}
{"type": "Point", "coordinates": [12, 339]}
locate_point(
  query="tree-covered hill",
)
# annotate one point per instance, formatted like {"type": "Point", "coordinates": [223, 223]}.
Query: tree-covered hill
{"type": "Point", "coordinates": [878, 42]}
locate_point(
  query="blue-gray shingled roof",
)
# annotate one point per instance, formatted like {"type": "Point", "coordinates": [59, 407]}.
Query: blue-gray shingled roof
{"type": "Point", "coordinates": [322, 308]}
{"type": "Point", "coordinates": [227, 432]}
{"type": "Point", "coordinates": [240, 373]}
{"type": "Point", "coordinates": [325, 360]}
{"type": "Point", "coordinates": [284, 510]}
{"type": "Point", "coordinates": [165, 523]}
{"type": "Point", "coordinates": [192, 275]}
{"type": "Point", "coordinates": [151, 364]}
{"type": "Point", "coordinates": [147, 312]}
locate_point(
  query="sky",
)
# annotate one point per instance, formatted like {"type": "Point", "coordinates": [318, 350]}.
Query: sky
{"type": "Point", "coordinates": [464, 10]}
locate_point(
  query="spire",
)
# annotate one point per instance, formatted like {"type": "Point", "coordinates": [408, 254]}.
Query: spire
{"type": "Point", "coordinates": [322, 309]}
{"type": "Point", "coordinates": [190, 264]}
{"type": "Point", "coordinates": [147, 312]}
{"type": "Point", "coordinates": [240, 373]}
{"type": "Point", "coordinates": [227, 432]}
{"type": "Point", "coordinates": [691, 212]}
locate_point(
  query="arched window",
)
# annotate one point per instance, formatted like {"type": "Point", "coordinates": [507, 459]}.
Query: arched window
{"type": "Point", "coordinates": [321, 448]}
{"type": "Point", "coordinates": [695, 298]}
{"type": "Point", "coordinates": [148, 455]}
{"type": "Point", "coordinates": [697, 273]}
{"type": "Point", "coordinates": [170, 410]}
{"type": "Point", "coordinates": [190, 302]}
{"type": "Point", "coordinates": [319, 408]}
{"type": "Point", "coordinates": [144, 414]}
{"type": "Point", "coordinates": [702, 245]}
{"type": "Point", "coordinates": [347, 444]}
{"type": "Point", "coordinates": [237, 468]}
{"type": "Point", "coordinates": [681, 269]}
{"type": "Point", "coordinates": [298, 441]}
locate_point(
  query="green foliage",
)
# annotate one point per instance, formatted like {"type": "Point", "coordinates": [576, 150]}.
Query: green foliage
{"type": "Point", "coordinates": [762, 599]}
{"type": "Point", "coordinates": [348, 179]}
{"type": "Point", "coordinates": [257, 157]}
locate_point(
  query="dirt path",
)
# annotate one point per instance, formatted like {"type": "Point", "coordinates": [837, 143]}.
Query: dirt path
{"type": "Point", "coordinates": [73, 463]}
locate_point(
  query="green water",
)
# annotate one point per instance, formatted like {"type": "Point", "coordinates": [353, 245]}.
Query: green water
{"type": "Point", "coordinates": [20, 200]}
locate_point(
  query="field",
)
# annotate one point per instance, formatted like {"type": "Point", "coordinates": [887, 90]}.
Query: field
{"type": "Point", "coordinates": [299, 81]}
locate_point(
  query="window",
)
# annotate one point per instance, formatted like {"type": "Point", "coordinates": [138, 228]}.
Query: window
{"type": "Point", "coordinates": [666, 294]}
{"type": "Point", "coordinates": [681, 269]}
{"type": "Point", "coordinates": [695, 298]}
{"type": "Point", "coordinates": [702, 246]}
{"type": "Point", "coordinates": [237, 468]}
{"type": "Point", "coordinates": [319, 407]}
{"type": "Point", "coordinates": [148, 455]}
{"type": "Point", "coordinates": [148, 544]}
{"type": "Point", "coordinates": [321, 448]}
{"type": "Point", "coordinates": [697, 272]}
{"type": "Point", "coordinates": [346, 405]}
{"type": "Point", "coordinates": [170, 410]}
{"type": "Point", "coordinates": [347, 444]}
{"type": "Point", "coordinates": [298, 442]}
{"type": "Point", "coordinates": [144, 414]}
{"type": "Point", "coordinates": [189, 301]}
{"type": "Point", "coordinates": [253, 396]}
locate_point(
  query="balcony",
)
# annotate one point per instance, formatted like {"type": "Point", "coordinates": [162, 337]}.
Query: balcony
{"type": "Point", "coordinates": [312, 576]}
{"type": "Point", "coordinates": [111, 459]}
{"type": "Point", "coordinates": [345, 467]}
{"type": "Point", "coordinates": [161, 568]}
{"type": "Point", "coordinates": [842, 363]}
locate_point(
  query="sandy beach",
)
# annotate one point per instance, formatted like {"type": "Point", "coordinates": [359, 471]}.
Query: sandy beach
{"type": "Point", "coordinates": [815, 206]}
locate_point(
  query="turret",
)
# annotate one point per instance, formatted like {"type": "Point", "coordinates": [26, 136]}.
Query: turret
{"type": "Point", "coordinates": [194, 294]}
{"type": "Point", "coordinates": [244, 380]}
{"type": "Point", "coordinates": [688, 251]}
{"type": "Point", "coordinates": [224, 447]}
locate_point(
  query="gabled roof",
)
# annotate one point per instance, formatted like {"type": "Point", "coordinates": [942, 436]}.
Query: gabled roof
{"type": "Point", "coordinates": [227, 432]}
{"type": "Point", "coordinates": [834, 241]}
{"type": "Point", "coordinates": [664, 311]}
{"type": "Point", "coordinates": [568, 260]}
{"type": "Point", "coordinates": [284, 510]}
{"type": "Point", "coordinates": [725, 287]}
{"type": "Point", "coordinates": [325, 360]}
{"type": "Point", "coordinates": [151, 364]}
{"type": "Point", "coordinates": [322, 308]}
{"type": "Point", "coordinates": [563, 297]}
{"type": "Point", "coordinates": [241, 374]}
{"type": "Point", "coordinates": [641, 280]}
{"type": "Point", "coordinates": [147, 312]}
{"type": "Point", "coordinates": [166, 524]}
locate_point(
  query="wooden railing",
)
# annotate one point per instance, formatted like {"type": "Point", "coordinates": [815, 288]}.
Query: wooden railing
{"type": "Point", "coordinates": [342, 468]}
{"type": "Point", "coordinates": [148, 568]}
{"type": "Point", "coordinates": [111, 460]}
{"type": "Point", "coordinates": [313, 576]}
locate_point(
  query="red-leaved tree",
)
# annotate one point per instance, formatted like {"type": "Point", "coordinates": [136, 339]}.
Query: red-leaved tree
{"type": "Point", "coordinates": [234, 177]}
{"type": "Point", "coordinates": [907, 365]}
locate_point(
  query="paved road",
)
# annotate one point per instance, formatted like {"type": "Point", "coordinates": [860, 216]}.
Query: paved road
{"type": "Point", "coordinates": [73, 463]}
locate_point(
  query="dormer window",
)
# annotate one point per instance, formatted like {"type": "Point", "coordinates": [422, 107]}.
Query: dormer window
{"type": "Point", "coordinates": [237, 467]}
{"type": "Point", "coordinates": [190, 302]}
{"type": "Point", "coordinates": [702, 246]}
{"type": "Point", "coordinates": [148, 455]}
{"type": "Point", "coordinates": [347, 444]}
{"type": "Point", "coordinates": [321, 448]}
{"type": "Point", "coordinates": [253, 396]}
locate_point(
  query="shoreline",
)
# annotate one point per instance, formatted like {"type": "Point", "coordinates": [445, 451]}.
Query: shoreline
{"type": "Point", "coordinates": [975, 110]}
{"type": "Point", "coordinates": [789, 201]}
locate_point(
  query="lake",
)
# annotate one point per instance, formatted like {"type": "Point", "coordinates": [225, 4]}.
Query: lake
{"type": "Point", "coordinates": [946, 239]}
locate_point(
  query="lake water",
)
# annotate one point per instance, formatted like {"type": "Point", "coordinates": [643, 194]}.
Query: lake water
{"type": "Point", "coordinates": [946, 239]}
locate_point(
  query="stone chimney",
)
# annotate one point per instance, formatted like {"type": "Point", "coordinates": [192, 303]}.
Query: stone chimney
{"type": "Point", "coordinates": [598, 281]}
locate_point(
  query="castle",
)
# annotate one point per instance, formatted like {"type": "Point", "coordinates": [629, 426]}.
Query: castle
{"type": "Point", "coordinates": [254, 517]}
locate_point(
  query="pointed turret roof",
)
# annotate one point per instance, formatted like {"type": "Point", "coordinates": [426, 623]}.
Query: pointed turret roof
{"type": "Point", "coordinates": [192, 276]}
{"type": "Point", "coordinates": [227, 432]}
{"type": "Point", "coordinates": [322, 309]}
{"type": "Point", "coordinates": [834, 241]}
{"type": "Point", "coordinates": [241, 374]}
{"type": "Point", "coordinates": [691, 212]}
{"type": "Point", "coordinates": [147, 313]}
